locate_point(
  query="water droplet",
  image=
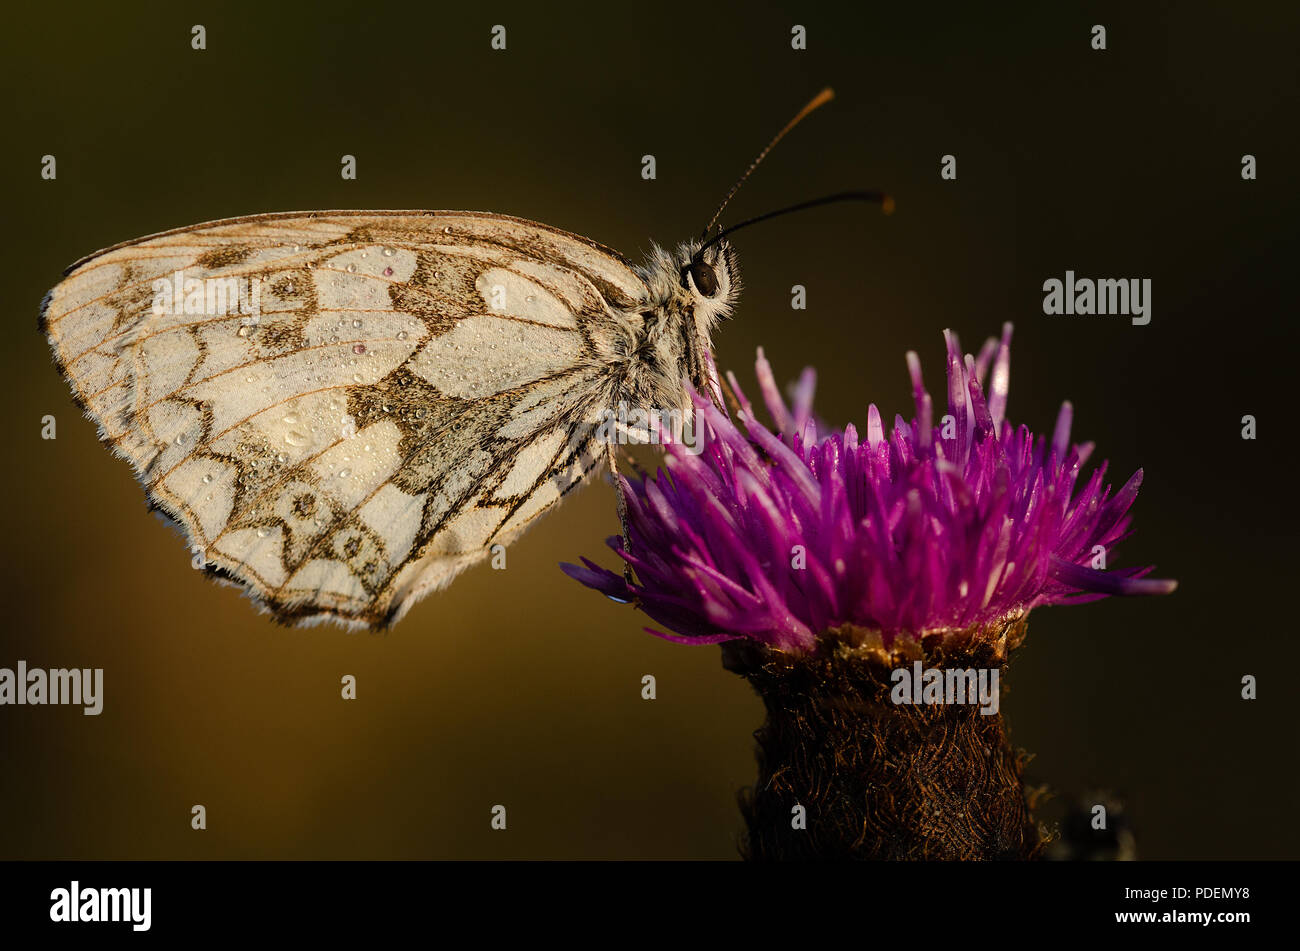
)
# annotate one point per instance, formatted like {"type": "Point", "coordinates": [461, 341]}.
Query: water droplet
{"type": "Point", "coordinates": [437, 275]}
{"type": "Point", "coordinates": [388, 252]}
{"type": "Point", "coordinates": [295, 438]}
{"type": "Point", "coordinates": [244, 331]}
{"type": "Point", "coordinates": [180, 440]}
{"type": "Point", "coordinates": [250, 379]}
{"type": "Point", "coordinates": [356, 324]}
{"type": "Point", "coordinates": [356, 378]}
{"type": "Point", "coordinates": [529, 299]}
{"type": "Point", "coordinates": [291, 419]}
{"type": "Point", "coordinates": [309, 264]}
{"type": "Point", "coordinates": [207, 479]}
{"type": "Point", "coordinates": [344, 473]}
{"type": "Point", "coordinates": [281, 458]}
{"type": "Point", "coordinates": [367, 447]}
{"type": "Point", "coordinates": [386, 408]}
{"type": "Point", "coordinates": [447, 230]}
{"type": "Point", "coordinates": [352, 269]}
{"type": "Point", "coordinates": [297, 247]}
{"type": "Point", "coordinates": [262, 533]}
{"type": "Point", "coordinates": [420, 412]}
{"type": "Point", "coordinates": [359, 348]}
{"type": "Point", "coordinates": [288, 288]}
{"type": "Point", "coordinates": [365, 254]}
{"type": "Point", "coordinates": [388, 272]}
{"type": "Point", "coordinates": [401, 335]}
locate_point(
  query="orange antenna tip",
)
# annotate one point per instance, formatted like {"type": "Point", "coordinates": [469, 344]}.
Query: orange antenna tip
{"type": "Point", "coordinates": [823, 97]}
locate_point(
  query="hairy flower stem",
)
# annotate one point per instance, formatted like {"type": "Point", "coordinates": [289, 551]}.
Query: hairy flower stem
{"type": "Point", "coordinates": [880, 780]}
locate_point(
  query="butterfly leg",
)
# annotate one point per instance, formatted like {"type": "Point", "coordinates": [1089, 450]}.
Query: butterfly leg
{"type": "Point", "coordinates": [612, 455]}
{"type": "Point", "coordinates": [708, 373]}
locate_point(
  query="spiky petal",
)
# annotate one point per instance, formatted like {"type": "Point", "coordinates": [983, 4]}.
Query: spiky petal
{"type": "Point", "coordinates": [934, 525]}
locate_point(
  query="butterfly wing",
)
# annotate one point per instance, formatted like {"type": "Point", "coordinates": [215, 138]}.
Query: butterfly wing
{"type": "Point", "coordinates": [344, 409]}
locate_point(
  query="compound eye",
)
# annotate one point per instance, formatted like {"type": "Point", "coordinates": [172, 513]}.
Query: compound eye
{"type": "Point", "coordinates": [705, 278]}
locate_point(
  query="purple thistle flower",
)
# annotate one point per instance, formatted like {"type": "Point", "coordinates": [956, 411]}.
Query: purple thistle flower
{"type": "Point", "coordinates": [957, 526]}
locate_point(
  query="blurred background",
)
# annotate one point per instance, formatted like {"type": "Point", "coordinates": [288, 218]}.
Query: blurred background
{"type": "Point", "coordinates": [522, 688]}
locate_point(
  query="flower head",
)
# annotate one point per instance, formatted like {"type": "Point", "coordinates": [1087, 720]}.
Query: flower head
{"type": "Point", "coordinates": [781, 534]}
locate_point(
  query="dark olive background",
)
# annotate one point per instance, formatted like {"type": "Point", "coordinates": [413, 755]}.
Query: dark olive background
{"type": "Point", "coordinates": [522, 688]}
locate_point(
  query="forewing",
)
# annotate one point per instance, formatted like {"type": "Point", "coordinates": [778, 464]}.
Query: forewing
{"type": "Point", "coordinates": [384, 398]}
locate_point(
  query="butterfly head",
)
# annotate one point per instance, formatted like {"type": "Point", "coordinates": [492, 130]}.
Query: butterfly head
{"type": "Point", "coordinates": [710, 278]}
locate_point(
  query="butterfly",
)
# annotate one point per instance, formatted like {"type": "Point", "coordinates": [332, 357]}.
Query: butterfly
{"type": "Point", "coordinates": [342, 410]}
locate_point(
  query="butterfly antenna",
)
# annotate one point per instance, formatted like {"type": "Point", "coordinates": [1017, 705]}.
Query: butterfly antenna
{"type": "Point", "coordinates": [823, 97]}
{"type": "Point", "coordinates": [885, 202]}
